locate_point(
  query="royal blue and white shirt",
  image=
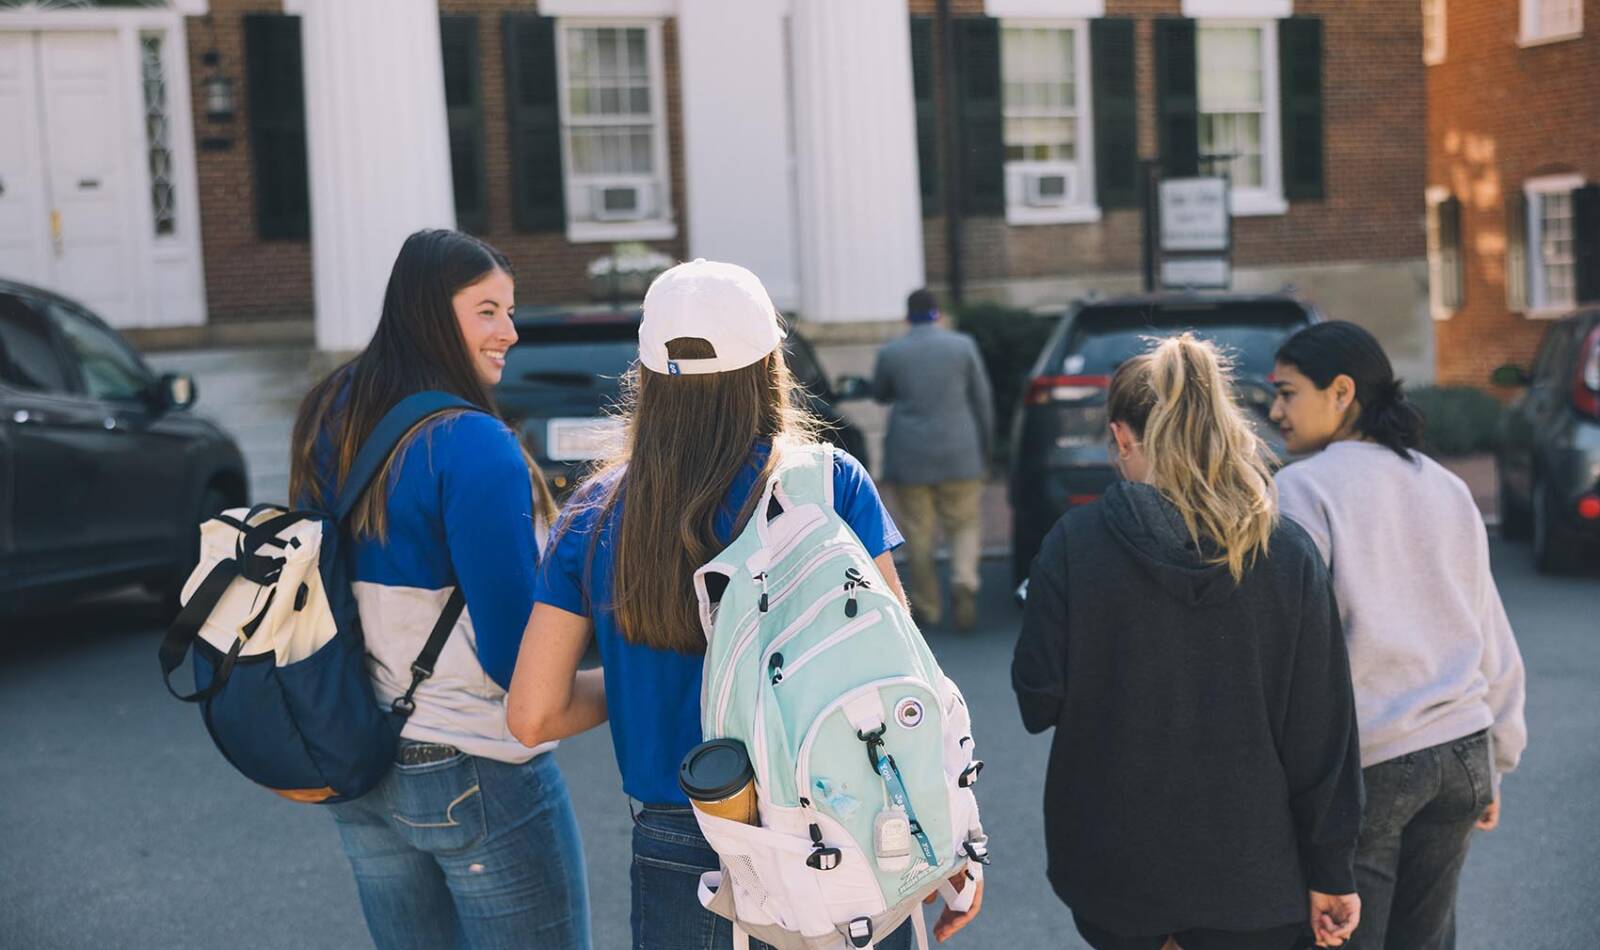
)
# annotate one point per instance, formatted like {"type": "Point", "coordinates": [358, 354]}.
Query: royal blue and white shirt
{"type": "Point", "coordinates": [460, 512]}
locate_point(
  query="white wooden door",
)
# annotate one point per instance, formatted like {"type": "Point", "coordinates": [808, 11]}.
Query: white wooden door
{"type": "Point", "coordinates": [24, 204]}
{"type": "Point", "coordinates": [85, 153]}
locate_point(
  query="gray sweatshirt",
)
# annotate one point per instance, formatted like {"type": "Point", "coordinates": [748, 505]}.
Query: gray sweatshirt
{"type": "Point", "coordinates": [1431, 651]}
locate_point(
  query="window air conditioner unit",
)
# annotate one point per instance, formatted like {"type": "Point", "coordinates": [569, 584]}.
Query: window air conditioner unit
{"type": "Point", "coordinates": [619, 202]}
{"type": "Point", "coordinates": [1050, 189]}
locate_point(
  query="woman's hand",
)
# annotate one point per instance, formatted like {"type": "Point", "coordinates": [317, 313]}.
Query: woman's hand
{"type": "Point", "coordinates": [1334, 917]}
{"type": "Point", "coordinates": [1490, 819]}
{"type": "Point", "coordinates": [950, 922]}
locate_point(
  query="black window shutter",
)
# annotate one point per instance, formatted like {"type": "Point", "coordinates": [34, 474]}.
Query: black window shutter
{"type": "Point", "coordinates": [1300, 95]}
{"type": "Point", "coordinates": [1450, 260]}
{"type": "Point", "coordinates": [463, 98]}
{"type": "Point", "coordinates": [274, 73]}
{"type": "Point", "coordinates": [983, 144]}
{"type": "Point", "coordinates": [538, 199]}
{"type": "Point", "coordinates": [922, 89]}
{"type": "Point", "coordinates": [1586, 242]}
{"type": "Point", "coordinates": [1177, 96]}
{"type": "Point", "coordinates": [1116, 113]}
{"type": "Point", "coordinates": [1516, 250]}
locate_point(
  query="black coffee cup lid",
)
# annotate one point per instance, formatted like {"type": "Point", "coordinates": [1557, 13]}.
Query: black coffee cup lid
{"type": "Point", "coordinates": [715, 770]}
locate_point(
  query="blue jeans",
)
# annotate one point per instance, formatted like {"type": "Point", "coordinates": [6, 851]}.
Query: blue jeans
{"type": "Point", "coordinates": [669, 855]}
{"type": "Point", "coordinates": [469, 853]}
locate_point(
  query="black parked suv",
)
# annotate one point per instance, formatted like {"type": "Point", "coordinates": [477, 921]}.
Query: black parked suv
{"type": "Point", "coordinates": [1549, 456]}
{"type": "Point", "coordinates": [1059, 456]}
{"type": "Point", "coordinates": [103, 476]}
{"type": "Point", "coordinates": [566, 371]}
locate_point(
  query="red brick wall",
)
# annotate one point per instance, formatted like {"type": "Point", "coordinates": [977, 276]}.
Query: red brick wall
{"type": "Point", "coordinates": [246, 277]}
{"type": "Point", "coordinates": [1499, 114]}
{"type": "Point", "coordinates": [1374, 160]}
{"type": "Point", "coordinates": [251, 279]}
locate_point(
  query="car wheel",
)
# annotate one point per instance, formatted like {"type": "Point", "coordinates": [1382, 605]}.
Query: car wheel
{"type": "Point", "coordinates": [1554, 550]}
{"type": "Point", "coordinates": [1515, 522]}
{"type": "Point", "coordinates": [213, 501]}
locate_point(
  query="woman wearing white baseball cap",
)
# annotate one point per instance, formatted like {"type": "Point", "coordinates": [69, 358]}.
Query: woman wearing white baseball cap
{"type": "Point", "coordinates": [709, 409]}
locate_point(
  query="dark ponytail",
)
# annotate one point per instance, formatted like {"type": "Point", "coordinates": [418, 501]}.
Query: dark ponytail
{"type": "Point", "coordinates": [1325, 351]}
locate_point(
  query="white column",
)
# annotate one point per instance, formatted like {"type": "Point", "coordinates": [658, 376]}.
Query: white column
{"type": "Point", "coordinates": [378, 149]}
{"type": "Point", "coordinates": [855, 128]}
{"type": "Point", "coordinates": [737, 152]}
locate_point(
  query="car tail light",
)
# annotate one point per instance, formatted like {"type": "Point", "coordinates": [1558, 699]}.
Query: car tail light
{"type": "Point", "coordinates": [1586, 377]}
{"type": "Point", "coordinates": [1044, 390]}
{"type": "Point", "coordinates": [1589, 507]}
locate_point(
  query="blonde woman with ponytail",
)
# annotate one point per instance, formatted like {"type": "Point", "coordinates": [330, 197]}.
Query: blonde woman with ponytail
{"type": "Point", "coordinates": [1204, 783]}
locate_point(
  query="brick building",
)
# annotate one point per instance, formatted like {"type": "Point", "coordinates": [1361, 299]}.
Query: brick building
{"type": "Point", "coordinates": [795, 136]}
{"type": "Point", "coordinates": [1513, 174]}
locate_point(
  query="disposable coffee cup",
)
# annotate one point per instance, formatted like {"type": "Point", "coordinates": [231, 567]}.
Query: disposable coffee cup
{"type": "Point", "coordinates": [719, 780]}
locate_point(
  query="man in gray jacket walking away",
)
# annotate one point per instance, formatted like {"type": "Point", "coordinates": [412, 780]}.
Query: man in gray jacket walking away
{"type": "Point", "coordinates": [941, 431]}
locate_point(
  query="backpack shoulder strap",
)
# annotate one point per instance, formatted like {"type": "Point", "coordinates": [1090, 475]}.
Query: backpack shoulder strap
{"type": "Point", "coordinates": [806, 474]}
{"type": "Point", "coordinates": [394, 425]}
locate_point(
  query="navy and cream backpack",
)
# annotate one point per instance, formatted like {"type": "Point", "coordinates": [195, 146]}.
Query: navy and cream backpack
{"type": "Point", "coordinates": [280, 668]}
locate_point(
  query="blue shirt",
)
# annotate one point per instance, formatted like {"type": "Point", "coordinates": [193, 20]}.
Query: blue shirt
{"type": "Point", "coordinates": [653, 696]}
{"type": "Point", "coordinates": [460, 512]}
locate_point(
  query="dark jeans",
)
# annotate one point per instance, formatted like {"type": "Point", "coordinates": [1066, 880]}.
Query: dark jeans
{"type": "Point", "coordinates": [669, 855]}
{"type": "Point", "coordinates": [1420, 811]}
{"type": "Point", "coordinates": [1278, 938]}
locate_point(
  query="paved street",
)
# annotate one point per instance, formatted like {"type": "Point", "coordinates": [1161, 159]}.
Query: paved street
{"type": "Point", "coordinates": [125, 829]}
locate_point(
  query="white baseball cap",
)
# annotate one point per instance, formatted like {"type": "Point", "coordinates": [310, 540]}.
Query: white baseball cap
{"type": "Point", "coordinates": [723, 304]}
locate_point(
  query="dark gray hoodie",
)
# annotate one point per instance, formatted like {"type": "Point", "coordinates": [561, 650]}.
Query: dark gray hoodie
{"type": "Point", "coordinates": [1205, 768]}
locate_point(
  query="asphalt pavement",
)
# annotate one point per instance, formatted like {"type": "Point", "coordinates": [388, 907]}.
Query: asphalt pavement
{"type": "Point", "coordinates": [123, 827]}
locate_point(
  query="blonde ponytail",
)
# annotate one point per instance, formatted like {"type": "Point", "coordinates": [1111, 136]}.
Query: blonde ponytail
{"type": "Point", "coordinates": [1203, 454]}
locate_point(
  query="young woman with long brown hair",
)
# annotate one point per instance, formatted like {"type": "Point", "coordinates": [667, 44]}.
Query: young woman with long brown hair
{"type": "Point", "coordinates": [470, 840]}
{"type": "Point", "coordinates": [710, 412]}
{"type": "Point", "coordinates": [1182, 641]}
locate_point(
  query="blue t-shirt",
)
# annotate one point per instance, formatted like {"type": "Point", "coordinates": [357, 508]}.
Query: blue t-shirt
{"type": "Point", "coordinates": [653, 696]}
{"type": "Point", "coordinates": [460, 512]}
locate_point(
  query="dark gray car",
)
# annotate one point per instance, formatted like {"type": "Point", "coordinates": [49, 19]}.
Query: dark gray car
{"type": "Point", "coordinates": [1549, 457]}
{"type": "Point", "coordinates": [103, 475]}
{"type": "Point", "coordinates": [1058, 441]}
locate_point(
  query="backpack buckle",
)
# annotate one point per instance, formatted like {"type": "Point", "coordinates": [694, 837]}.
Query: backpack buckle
{"type": "Point", "coordinates": [969, 775]}
{"type": "Point", "coordinates": [404, 705]}
{"type": "Point", "coordinates": [860, 931]}
{"type": "Point", "coordinates": [824, 859]}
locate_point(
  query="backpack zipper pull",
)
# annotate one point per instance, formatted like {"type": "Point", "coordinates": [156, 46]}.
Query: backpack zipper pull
{"type": "Point", "coordinates": [762, 580]}
{"type": "Point", "coordinates": [775, 668]}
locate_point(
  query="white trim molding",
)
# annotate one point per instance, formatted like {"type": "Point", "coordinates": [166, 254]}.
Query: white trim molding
{"type": "Point", "coordinates": [1434, 196]}
{"type": "Point", "coordinates": [1045, 8]}
{"type": "Point", "coordinates": [608, 8]}
{"type": "Point", "coordinates": [1435, 30]}
{"type": "Point", "coordinates": [1530, 29]}
{"type": "Point", "coordinates": [1233, 9]}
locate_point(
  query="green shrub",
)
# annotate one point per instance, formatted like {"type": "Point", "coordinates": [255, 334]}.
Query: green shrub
{"type": "Point", "coordinates": [1009, 340]}
{"type": "Point", "coordinates": [1460, 420]}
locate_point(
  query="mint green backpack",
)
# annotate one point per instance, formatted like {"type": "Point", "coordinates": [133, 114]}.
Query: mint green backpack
{"type": "Point", "coordinates": [862, 747]}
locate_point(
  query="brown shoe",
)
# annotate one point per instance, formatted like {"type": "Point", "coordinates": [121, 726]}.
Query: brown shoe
{"type": "Point", "coordinates": [966, 607]}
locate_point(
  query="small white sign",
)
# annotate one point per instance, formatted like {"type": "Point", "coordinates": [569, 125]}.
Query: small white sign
{"type": "Point", "coordinates": [1200, 273]}
{"type": "Point", "coordinates": [581, 440]}
{"type": "Point", "coordinates": [1194, 214]}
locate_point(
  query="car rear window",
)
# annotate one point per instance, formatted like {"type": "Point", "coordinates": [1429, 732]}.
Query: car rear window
{"type": "Point", "coordinates": [1104, 337]}
{"type": "Point", "coordinates": [571, 354]}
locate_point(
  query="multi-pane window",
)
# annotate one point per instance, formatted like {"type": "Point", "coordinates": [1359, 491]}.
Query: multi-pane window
{"type": "Point", "coordinates": [1446, 282]}
{"type": "Point", "coordinates": [612, 123]}
{"type": "Point", "coordinates": [1433, 13]}
{"type": "Point", "coordinates": [157, 135]}
{"type": "Point", "coordinates": [1234, 119]}
{"type": "Point", "coordinates": [1044, 72]}
{"type": "Point", "coordinates": [1550, 244]}
{"type": "Point", "coordinates": [1551, 19]}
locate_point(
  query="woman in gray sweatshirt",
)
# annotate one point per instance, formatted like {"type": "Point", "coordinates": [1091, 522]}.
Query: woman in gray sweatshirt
{"type": "Point", "coordinates": [1438, 678]}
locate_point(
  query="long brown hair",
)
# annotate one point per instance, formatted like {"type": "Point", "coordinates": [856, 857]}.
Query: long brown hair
{"type": "Point", "coordinates": [417, 347]}
{"type": "Point", "coordinates": [1203, 454]}
{"type": "Point", "coordinates": [685, 440]}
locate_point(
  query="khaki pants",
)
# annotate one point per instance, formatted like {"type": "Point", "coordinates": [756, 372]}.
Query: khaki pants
{"type": "Point", "coordinates": [955, 507]}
